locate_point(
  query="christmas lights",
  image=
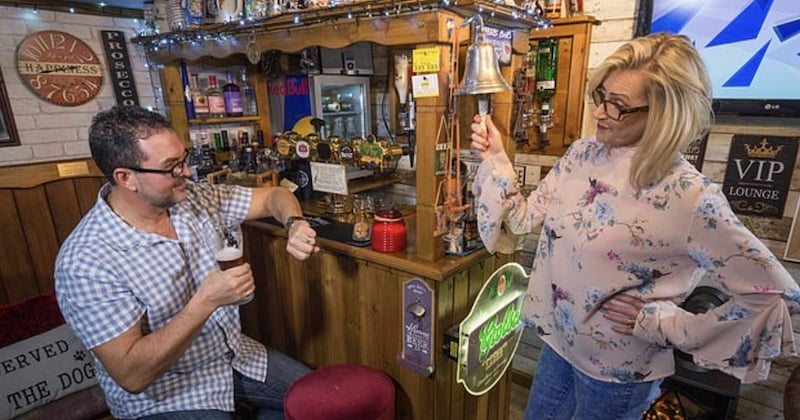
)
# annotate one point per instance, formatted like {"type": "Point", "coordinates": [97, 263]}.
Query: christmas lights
{"type": "Point", "coordinates": [529, 14]}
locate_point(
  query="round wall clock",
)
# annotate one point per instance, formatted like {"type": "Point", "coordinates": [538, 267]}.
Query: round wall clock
{"type": "Point", "coordinates": [59, 68]}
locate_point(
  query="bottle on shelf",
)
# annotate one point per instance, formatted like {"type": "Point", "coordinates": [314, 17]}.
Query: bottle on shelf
{"type": "Point", "coordinates": [546, 67]}
{"type": "Point", "coordinates": [216, 100]}
{"type": "Point", "coordinates": [206, 156]}
{"type": "Point", "coordinates": [217, 142]}
{"type": "Point", "coordinates": [225, 143]}
{"type": "Point", "coordinates": [198, 98]}
{"type": "Point", "coordinates": [194, 156]}
{"type": "Point", "coordinates": [233, 96]}
{"type": "Point", "coordinates": [249, 106]}
{"type": "Point", "coordinates": [233, 149]}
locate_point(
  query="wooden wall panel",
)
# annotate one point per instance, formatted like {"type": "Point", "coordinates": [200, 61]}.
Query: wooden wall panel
{"type": "Point", "coordinates": [40, 234]}
{"type": "Point", "coordinates": [40, 204]}
{"type": "Point", "coordinates": [65, 209]}
{"type": "Point", "coordinates": [16, 269]}
{"type": "Point", "coordinates": [86, 190]}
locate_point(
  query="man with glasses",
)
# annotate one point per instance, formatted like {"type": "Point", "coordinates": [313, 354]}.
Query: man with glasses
{"type": "Point", "coordinates": [138, 281]}
{"type": "Point", "coordinates": [629, 228]}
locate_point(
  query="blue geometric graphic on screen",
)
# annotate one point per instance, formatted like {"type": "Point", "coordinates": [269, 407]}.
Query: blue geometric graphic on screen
{"type": "Point", "coordinates": [745, 26]}
{"type": "Point", "coordinates": [744, 76]}
{"type": "Point", "coordinates": [787, 30]}
{"type": "Point", "coordinates": [674, 20]}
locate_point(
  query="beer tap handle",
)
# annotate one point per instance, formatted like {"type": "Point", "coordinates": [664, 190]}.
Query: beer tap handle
{"type": "Point", "coordinates": [318, 125]}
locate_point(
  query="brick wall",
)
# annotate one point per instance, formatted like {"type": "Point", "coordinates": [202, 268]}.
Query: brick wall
{"type": "Point", "coordinates": [50, 132]}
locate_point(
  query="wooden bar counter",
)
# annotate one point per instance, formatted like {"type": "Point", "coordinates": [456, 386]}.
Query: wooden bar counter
{"type": "Point", "coordinates": [345, 304]}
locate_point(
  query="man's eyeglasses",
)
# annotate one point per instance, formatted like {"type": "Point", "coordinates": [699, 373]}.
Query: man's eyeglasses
{"type": "Point", "coordinates": [612, 109]}
{"type": "Point", "coordinates": [176, 171]}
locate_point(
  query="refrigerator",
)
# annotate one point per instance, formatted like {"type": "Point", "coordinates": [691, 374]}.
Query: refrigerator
{"type": "Point", "coordinates": [343, 103]}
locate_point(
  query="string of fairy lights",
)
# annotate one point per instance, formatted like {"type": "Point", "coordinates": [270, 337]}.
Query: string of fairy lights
{"type": "Point", "coordinates": [529, 14]}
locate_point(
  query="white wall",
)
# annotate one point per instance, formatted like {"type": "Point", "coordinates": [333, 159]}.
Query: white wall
{"type": "Point", "coordinates": [50, 132]}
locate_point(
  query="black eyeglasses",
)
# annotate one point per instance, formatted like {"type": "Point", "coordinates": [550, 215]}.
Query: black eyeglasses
{"type": "Point", "coordinates": [612, 109]}
{"type": "Point", "coordinates": [176, 171]}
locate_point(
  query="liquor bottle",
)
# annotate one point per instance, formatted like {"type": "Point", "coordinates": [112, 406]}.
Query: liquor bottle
{"type": "Point", "coordinates": [546, 67]}
{"type": "Point", "coordinates": [233, 96]}
{"type": "Point", "coordinates": [206, 156]}
{"type": "Point", "coordinates": [226, 146]}
{"type": "Point", "coordinates": [234, 156]}
{"type": "Point", "coordinates": [248, 96]}
{"type": "Point", "coordinates": [260, 138]}
{"type": "Point", "coordinates": [198, 97]}
{"type": "Point", "coordinates": [217, 142]}
{"type": "Point", "coordinates": [194, 157]}
{"type": "Point", "coordinates": [216, 101]}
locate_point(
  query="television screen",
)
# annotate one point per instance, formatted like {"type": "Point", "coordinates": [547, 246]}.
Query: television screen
{"type": "Point", "coordinates": [750, 47]}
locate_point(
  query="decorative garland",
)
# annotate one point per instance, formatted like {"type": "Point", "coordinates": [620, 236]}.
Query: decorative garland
{"type": "Point", "coordinates": [530, 14]}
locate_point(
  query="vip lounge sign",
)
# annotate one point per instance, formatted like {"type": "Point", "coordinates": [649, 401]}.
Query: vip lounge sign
{"type": "Point", "coordinates": [758, 174]}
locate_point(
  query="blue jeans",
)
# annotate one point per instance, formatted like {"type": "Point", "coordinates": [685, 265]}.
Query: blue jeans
{"type": "Point", "coordinates": [560, 391]}
{"type": "Point", "coordinates": [267, 397]}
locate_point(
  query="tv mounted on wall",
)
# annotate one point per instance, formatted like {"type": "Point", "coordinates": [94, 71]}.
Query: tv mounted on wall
{"type": "Point", "coordinates": [750, 47]}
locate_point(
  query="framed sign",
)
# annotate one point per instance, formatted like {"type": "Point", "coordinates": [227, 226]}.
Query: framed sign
{"type": "Point", "coordinates": [8, 129]}
{"type": "Point", "coordinates": [119, 66]}
{"type": "Point", "coordinates": [758, 174]}
{"type": "Point", "coordinates": [696, 151]}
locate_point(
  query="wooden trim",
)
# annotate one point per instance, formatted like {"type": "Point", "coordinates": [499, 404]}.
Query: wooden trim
{"type": "Point", "coordinates": [31, 175]}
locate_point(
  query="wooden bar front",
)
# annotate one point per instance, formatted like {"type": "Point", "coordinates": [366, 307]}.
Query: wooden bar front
{"type": "Point", "coordinates": [344, 305]}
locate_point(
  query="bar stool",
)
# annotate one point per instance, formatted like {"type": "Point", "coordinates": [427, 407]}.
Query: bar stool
{"type": "Point", "coordinates": [338, 392]}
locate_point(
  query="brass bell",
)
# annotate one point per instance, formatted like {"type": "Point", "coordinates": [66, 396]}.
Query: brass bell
{"type": "Point", "coordinates": [481, 71]}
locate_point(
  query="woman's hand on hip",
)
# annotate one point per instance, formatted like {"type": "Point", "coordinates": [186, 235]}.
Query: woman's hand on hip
{"type": "Point", "coordinates": [623, 310]}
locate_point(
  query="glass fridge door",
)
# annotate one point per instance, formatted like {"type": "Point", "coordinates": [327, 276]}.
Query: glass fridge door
{"type": "Point", "coordinates": [343, 103]}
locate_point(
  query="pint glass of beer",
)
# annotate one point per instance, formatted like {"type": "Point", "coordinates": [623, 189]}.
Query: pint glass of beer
{"type": "Point", "coordinates": [230, 252]}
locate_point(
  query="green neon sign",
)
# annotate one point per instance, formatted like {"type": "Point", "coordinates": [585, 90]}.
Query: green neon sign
{"type": "Point", "coordinates": [493, 332]}
{"type": "Point", "coordinates": [488, 337]}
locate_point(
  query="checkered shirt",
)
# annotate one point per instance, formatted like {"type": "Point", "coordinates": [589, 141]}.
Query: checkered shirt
{"type": "Point", "coordinates": [109, 276]}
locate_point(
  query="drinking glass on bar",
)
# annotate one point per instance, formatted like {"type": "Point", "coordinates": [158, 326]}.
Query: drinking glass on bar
{"type": "Point", "coordinates": [230, 251]}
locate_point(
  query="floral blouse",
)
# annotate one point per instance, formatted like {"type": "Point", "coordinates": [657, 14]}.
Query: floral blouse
{"type": "Point", "coordinates": [600, 237]}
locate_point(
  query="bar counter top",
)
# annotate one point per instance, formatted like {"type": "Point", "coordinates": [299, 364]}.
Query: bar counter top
{"type": "Point", "coordinates": [406, 260]}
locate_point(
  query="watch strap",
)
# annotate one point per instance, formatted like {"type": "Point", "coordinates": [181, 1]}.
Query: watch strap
{"type": "Point", "coordinates": [290, 221]}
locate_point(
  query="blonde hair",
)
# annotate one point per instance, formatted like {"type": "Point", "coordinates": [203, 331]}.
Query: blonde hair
{"type": "Point", "coordinates": [678, 93]}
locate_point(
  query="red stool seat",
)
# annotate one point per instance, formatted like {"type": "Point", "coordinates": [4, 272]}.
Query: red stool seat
{"type": "Point", "coordinates": [341, 392]}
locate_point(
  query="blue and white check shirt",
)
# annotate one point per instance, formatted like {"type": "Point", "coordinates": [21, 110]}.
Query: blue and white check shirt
{"type": "Point", "coordinates": [109, 276]}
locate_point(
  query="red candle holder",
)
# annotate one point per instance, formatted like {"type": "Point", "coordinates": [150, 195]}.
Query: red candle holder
{"type": "Point", "coordinates": [389, 231]}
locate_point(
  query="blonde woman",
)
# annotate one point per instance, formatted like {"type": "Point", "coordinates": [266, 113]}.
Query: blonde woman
{"type": "Point", "coordinates": [629, 229]}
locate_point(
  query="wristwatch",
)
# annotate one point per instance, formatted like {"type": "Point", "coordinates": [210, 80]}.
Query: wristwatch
{"type": "Point", "coordinates": [290, 221]}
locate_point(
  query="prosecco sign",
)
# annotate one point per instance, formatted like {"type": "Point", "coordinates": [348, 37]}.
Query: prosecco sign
{"type": "Point", "coordinates": [759, 173]}
{"type": "Point", "coordinates": [488, 337]}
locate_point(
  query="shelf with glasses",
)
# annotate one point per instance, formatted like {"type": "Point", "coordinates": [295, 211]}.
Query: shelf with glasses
{"type": "Point", "coordinates": [340, 113]}
{"type": "Point", "coordinates": [224, 120]}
